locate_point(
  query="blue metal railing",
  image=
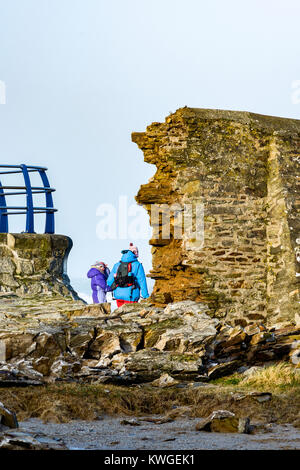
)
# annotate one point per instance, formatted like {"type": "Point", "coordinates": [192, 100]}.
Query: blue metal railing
{"type": "Point", "coordinates": [29, 190]}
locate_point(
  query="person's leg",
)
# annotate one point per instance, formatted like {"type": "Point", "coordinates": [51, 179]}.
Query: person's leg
{"type": "Point", "coordinates": [95, 297]}
{"type": "Point", "coordinates": [99, 296]}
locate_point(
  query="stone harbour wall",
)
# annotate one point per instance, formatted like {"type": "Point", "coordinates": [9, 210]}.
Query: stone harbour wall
{"type": "Point", "coordinates": [244, 169]}
{"type": "Point", "coordinates": [33, 265]}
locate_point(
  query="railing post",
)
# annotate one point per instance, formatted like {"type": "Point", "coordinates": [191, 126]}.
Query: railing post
{"type": "Point", "coordinates": [29, 216]}
{"type": "Point", "coordinates": [3, 212]}
{"type": "Point", "coordinates": [49, 227]}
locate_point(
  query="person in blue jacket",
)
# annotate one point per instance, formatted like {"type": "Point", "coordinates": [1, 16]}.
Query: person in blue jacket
{"type": "Point", "coordinates": [98, 274]}
{"type": "Point", "coordinates": [131, 293]}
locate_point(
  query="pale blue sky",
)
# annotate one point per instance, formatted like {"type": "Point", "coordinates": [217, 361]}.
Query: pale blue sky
{"type": "Point", "coordinates": [81, 75]}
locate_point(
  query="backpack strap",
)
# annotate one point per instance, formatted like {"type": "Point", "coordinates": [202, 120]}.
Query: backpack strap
{"type": "Point", "coordinates": [129, 269]}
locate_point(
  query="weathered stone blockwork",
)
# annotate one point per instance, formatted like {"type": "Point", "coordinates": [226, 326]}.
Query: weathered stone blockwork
{"type": "Point", "coordinates": [34, 265]}
{"type": "Point", "coordinates": [244, 168]}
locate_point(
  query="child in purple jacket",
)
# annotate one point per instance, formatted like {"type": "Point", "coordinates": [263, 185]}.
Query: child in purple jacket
{"type": "Point", "coordinates": [98, 273]}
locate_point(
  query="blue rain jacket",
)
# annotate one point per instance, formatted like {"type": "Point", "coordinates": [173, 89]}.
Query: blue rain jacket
{"type": "Point", "coordinates": [128, 293]}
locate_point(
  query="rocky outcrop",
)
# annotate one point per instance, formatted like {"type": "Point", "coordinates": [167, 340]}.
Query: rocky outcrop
{"type": "Point", "coordinates": [243, 170]}
{"type": "Point", "coordinates": [34, 265]}
{"type": "Point", "coordinates": [136, 343]}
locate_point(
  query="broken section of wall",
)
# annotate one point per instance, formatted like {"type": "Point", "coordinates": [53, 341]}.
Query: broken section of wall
{"type": "Point", "coordinates": [243, 168]}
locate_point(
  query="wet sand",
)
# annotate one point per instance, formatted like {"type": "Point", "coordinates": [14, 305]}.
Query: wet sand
{"type": "Point", "coordinates": [109, 434]}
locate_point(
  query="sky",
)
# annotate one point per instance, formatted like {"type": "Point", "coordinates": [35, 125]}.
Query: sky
{"type": "Point", "coordinates": [77, 77]}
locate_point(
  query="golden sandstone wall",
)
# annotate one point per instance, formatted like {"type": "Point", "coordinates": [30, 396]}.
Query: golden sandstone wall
{"type": "Point", "coordinates": [243, 168]}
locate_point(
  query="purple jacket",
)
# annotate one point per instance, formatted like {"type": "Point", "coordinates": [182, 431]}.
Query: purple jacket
{"type": "Point", "coordinates": [98, 279]}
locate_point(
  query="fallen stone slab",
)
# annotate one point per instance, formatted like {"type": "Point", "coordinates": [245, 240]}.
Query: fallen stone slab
{"type": "Point", "coordinates": [221, 370]}
{"type": "Point", "coordinates": [261, 396]}
{"type": "Point", "coordinates": [257, 396]}
{"type": "Point", "coordinates": [20, 440]}
{"type": "Point", "coordinates": [224, 421]}
{"type": "Point", "coordinates": [165, 380]}
{"type": "Point", "coordinates": [149, 365]}
{"type": "Point", "coordinates": [8, 418]}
